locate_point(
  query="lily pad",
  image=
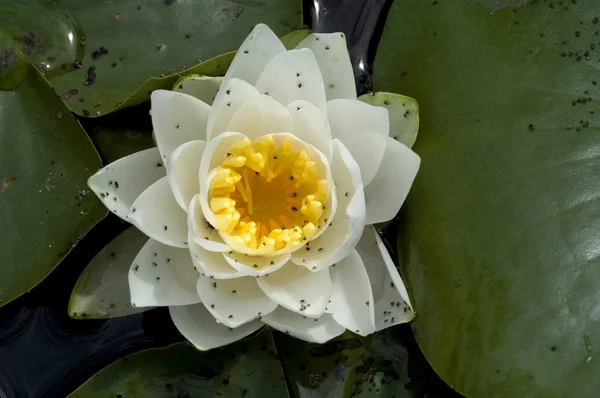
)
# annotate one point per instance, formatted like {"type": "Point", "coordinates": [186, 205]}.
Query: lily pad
{"type": "Point", "coordinates": [163, 38]}
{"type": "Point", "coordinates": [45, 208]}
{"type": "Point", "coordinates": [347, 366]}
{"type": "Point", "coordinates": [102, 290]}
{"type": "Point", "coordinates": [501, 238]}
{"type": "Point", "coordinates": [248, 368]}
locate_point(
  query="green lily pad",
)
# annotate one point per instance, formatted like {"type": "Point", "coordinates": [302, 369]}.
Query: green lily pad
{"type": "Point", "coordinates": [248, 368]}
{"type": "Point", "coordinates": [102, 290]}
{"type": "Point", "coordinates": [164, 38]}
{"type": "Point", "coordinates": [404, 115]}
{"type": "Point", "coordinates": [204, 88]}
{"type": "Point", "coordinates": [347, 366]}
{"type": "Point", "coordinates": [500, 245]}
{"type": "Point", "coordinates": [45, 205]}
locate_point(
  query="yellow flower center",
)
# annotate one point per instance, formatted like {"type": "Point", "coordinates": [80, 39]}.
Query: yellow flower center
{"type": "Point", "coordinates": [267, 198]}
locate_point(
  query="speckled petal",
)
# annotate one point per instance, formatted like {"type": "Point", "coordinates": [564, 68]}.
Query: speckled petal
{"type": "Point", "coordinates": [298, 289]}
{"type": "Point", "coordinates": [332, 56]}
{"type": "Point", "coordinates": [351, 302]}
{"type": "Point", "coordinates": [254, 54]}
{"type": "Point", "coordinates": [259, 116]}
{"type": "Point", "coordinates": [156, 213]}
{"type": "Point", "coordinates": [392, 305]}
{"type": "Point", "coordinates": [234, 302]}
{"type": "Point", "coordinates": [197, 325]}
{"type": "Point", "coordinates": [182, 169]}
{"type": "Point", "coordinates": [293, 75]}
{"type": "Point", "coordinates": [176, 119]}
{"type": "Point", "coordinates": [120, 183]}
{"type": "Point", "coordinates": [162, 275]}
{"type": "Point", "coordinates": [311, 125]}
{"type": "Point", "coordinates": [232, 95]}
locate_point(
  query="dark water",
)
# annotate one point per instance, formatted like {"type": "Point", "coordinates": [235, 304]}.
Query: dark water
{"type": "Point", "coordinates": [45, 354]}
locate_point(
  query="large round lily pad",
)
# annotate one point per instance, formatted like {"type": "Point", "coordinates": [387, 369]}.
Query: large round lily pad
{"type": "Point", "coordinates": [127, 42]}
{"type": "Point", "coordinates": [45, 160]}
{"type": "Point", "coordinates": [501, 245]}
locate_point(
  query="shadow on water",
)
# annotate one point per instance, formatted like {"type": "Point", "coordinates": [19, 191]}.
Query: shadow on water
{"type": "Point", "coordinates": [44, 353]}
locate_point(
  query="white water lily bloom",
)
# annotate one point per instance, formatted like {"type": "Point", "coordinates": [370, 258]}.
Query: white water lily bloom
{"type": "Point", "coordinates": [259, 207]}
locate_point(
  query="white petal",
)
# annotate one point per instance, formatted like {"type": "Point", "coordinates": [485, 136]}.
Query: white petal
{"type": "Point", "coordinates": [182, 169]}
{"type": "Point", "coordinates": [256, 265]}
{"type": "Point", "coordinates": [392, 305]}
{"type": "Point", "coordinates": [120, 183]}
{"type": "Point", "coordinates": [347, 226]}
{"type": "Point", "coordinates": [234, 302]}
{"type": "Point", "coordinates": [298, 289]}
{"type": "Point", "coordinates": [332, 56]}
{"type": "Point", "coordinates": [201, 231]}
{"type": "Point", "coordinates": [387, 192]}
{"type": "Point", "coordinates": [404, 115]}
{"type": "Point", "coordinates": [211, 264]}
{"type": "Point", "coordinates": [363, 129]}
{"type": "Point", "coordinates": [311, 125]}
{"type": "Point", "coordinates": [232, 95]}
{"type": "Point", "coordinates": [197, 325]}
{"type": "Point", "coordinates": [162, 275]}
{"type": "Point", "coordinates": [260, 116]}
{"type": "Point", "coordinates": [293, 75]}
{"type": "Point", "coordinates": [176, 119]}
{"type": "Point", "coordinates": [205, 88]}
{"type": "Point", "coordinates": [254, 54]}
{"type": "Point", "coordinates": [352, 304]}
{"type": "Point", "coordinates": [156, 213]}
{"type": "Point", "coordinates": [314, 330]}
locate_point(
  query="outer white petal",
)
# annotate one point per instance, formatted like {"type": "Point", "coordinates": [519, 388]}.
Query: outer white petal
{"type": "Point", "coordinates": [205, 88]}
{"type": "Point", "coordinates": [298, 289]}
{"type": "Point", "coordinates": [311, 125]}
{"type": "Point", "coordinates": [351, 302]}
{"type": "Point", "coordinates": [156, 213]}
{"type": "Point", "coordinates": [387, 192]}
{"type": "Point", "coordinates": [256, 265]}
{"type": "Point", "coordinates": [182, 169]}
{"type": "Point", "coordinates": [314, 330]}
{"type": "Point", "coordinates": [201, 231]}
{"type": "Point", "coordinates": [211, 264]}
{"type": "Point", "coordinates": [293, 75]}
{"type": "Point", "coordinates": [162, 275]}
{"type": "Point", "coordinates": [392, 305]}
{"type": "Point", "coordinates": [259, 116]}
{"type": "Point", "coordinates": [197, 325]}
{"type": "Point", "coordinates": [176, 119]}
{"type": "Point", "coordinates": [363, 129]}
{"type": "Point", "coordinates": [346, 228]}
{"type": "Point", "coordinates": [120, 183]}
{"type": "Point", "coordinates": [232, 95]}
{"type": "Point", "coordinates": [254, 54]}
{"type": "Point", "coordinates": [234, 302]}
{"type": "Point", "coordinates": [332, 56]}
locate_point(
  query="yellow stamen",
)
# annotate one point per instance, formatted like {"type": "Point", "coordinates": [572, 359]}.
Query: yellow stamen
{"type": "Point", "coordinates": [280, 194]}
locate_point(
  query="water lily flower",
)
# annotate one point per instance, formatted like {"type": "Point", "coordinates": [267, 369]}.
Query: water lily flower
{"type": "Point", "coordinates": [259, 208]}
